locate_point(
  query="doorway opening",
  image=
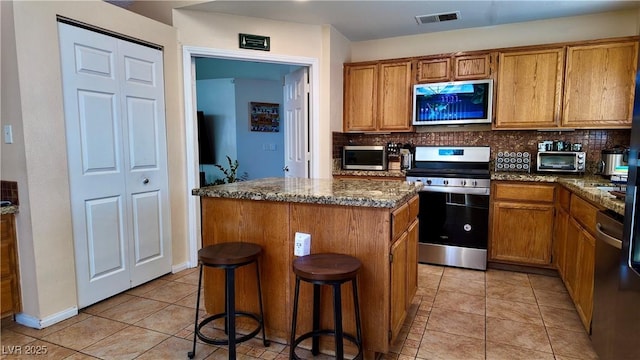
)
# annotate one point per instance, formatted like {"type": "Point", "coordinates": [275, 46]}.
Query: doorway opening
{"type": "Point", "coordinates": [190, 56]}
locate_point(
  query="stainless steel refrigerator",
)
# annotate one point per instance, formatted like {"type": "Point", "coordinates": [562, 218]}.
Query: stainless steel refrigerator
{"type": "Point", "coordinates": [615, 328]}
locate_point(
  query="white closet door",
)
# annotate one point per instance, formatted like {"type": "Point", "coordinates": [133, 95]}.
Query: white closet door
{"type": "Point", "coordinates": [115, 126]}
{"type": "Point", "coordinates": [145, 153]}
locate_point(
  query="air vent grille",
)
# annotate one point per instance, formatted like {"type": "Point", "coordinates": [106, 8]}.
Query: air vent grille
{"type": "Point", "coordinates": [433, 18]}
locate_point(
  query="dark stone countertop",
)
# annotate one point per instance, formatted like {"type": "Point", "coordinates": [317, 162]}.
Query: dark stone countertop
{"type": "Point", "coordinates": [346, 192]}
{"type": "Point", "coordinates": [586, 186]}
{"type": "Point", "coordinates": [11, 209]}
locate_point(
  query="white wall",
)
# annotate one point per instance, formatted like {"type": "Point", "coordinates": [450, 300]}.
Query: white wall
{"type": "Point", "coordinates": [220, 32]}
{"type": "Point", "coordinates": [338, 54]}
{"type": "Point", "coordinates": [587, 27]}
{"type": "Point", "coordinates": [38, 159]}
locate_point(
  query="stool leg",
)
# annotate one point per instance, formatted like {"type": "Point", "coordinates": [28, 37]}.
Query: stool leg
{"type": "Point", "coordinates": [356, 306]}
{"type": "Point", "coordinates": [265, 342]}
{"type": "Point", "coordinates": [226, 303]}
{"type": "Point", "coordinates": [231, 311]}
{"type": "Point", "coordinates": [192, 353]}
{"type": "Point", "coordinates": [292, 350]}
{"type": "Point", "coordinates": [315, 341]}
{"type": "Point", "coordinates": [337, 316]}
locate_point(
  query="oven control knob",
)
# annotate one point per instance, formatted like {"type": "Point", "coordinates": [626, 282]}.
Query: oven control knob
{"type": "Point", "coordinates": [446, 182]}
{"type": "Point", "coordinates": [474, 183]}
{"type": "Point", "coordinates": [428, 181]}
{"type": "Point", "coordinates": [464, 183]}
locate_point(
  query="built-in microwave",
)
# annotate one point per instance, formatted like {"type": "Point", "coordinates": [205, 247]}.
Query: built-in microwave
{"type": "Point", "coordinates": [561, 161]}
{"type": "Point", "coordinates": [364, 157]}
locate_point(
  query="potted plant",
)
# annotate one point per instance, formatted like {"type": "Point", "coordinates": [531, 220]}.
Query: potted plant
{"type": "Point", "coordinates": [230, 173]}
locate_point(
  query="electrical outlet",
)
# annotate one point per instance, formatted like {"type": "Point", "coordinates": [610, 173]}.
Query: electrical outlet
{"type": "Point", "coordinates": [302, 245]}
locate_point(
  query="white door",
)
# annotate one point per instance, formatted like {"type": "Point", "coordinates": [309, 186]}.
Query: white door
{"type": "Point", "coordinates": [116, 145]}
{"type": "Point", "coordinates": [296, 124]}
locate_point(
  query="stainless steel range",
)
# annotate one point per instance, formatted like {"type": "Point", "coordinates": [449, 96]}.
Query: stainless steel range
{"type": "Point", "coordinates": [454, 205]}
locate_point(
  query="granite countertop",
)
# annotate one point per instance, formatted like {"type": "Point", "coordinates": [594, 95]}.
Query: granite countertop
{"type": "Point", "coordinates": [585, 186]}
{"type": "Point", "coordinates": [347, 192]}
{"type": "Point", "coordinates": [11, 209]}
{"type": "Point", "coordinates": [370, 173]}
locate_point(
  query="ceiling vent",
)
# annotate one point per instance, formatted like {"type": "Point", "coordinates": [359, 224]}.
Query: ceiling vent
{"type": "Point", "coordinates": [434, 18]}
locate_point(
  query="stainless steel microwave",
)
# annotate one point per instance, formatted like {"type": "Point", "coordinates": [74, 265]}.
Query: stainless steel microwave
{"type": "Point", "coordinates": [364, 158]}
{"type": "Point", "coordinates": [561, 161]}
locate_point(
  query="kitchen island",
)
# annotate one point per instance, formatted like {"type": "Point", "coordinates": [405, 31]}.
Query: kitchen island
{"type": "Point", "coordinates": [375, 221]}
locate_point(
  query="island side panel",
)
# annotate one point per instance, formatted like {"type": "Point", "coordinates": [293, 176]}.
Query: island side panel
{"type": "Point", "coordinates": [267, 224]}
{"type": "Point", "coordinates": [362, 232]}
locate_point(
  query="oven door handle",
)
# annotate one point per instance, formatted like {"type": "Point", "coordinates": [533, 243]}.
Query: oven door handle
{"type": "Point", "coordinates": [456, 190]}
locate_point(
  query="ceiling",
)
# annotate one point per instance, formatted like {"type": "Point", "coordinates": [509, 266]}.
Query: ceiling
{"type": "Point", "coordinates": [370, 20]}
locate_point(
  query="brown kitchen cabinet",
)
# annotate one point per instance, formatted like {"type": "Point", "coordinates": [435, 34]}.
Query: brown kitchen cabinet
{"type": "Point", "coordinates": [434, 69]}
{"type": "Point", "coordinates": [529, 89]}
{"type": "Point", "coordinates": [9, 280]}
{"type": "Point", "coordinates": [385, 282]}
{"type": "Point", "coordinates": [398, 259]}
{"type": "Point", "coordinates": [561, 221]}
{"type": "Point", "coordinates": [450, 68]}
{"type": "Point", "coordinates": [403, 262]}
{"type": "Point", "coordinates": [377, 96]}
{"type": "Point", "coordinates": [522, 216]}
{"type": "Point", "coordinates": [580, 270]}
{"type": "Point", "coordinates": [470, 67]}
{"type": "Point", "coordinates": [599, 85]}
{"type": "Point", "coordinates": [574, 250]}
{"type": "Point", "coordinates": [412, 259]}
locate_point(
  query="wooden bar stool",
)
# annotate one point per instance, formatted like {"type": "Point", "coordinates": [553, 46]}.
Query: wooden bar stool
{"type": "Point", "coordinates": [229, 256]}
{"type": "Point", "coordinates": [334, 270]}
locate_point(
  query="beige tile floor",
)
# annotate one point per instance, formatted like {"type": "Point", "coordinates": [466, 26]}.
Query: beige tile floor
{"type": "Point", "coordinates": [456, 314]}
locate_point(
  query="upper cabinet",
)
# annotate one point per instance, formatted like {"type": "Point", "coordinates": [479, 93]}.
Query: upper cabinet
{"type": "Point", "coordinates": [377, 96]}
{"type": "Point", "coordinates": [434, 69]}
{"type": "Point", "coordinates": [529, 91]}
{"type": "Point", "coordinates": [577, 86]}
{"type": "Point", "coordinates": [599, 85]}
{"type": "Point", "coordinates": [450, 68]}
{"type": "Point", "coordinates": [471, 67]}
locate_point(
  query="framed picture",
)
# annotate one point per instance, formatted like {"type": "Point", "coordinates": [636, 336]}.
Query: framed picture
{"type": "Point", "coordinates": [264, 117]}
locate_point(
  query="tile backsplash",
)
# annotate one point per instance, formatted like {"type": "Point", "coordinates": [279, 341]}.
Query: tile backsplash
{"type": "Point", "coordinates": [593, 141]}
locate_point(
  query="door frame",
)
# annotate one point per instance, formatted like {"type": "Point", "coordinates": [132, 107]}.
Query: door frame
{"type": "Point", "coordinates": [191, 126]}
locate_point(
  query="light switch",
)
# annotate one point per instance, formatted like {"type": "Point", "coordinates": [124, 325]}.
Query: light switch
{"type": "Point", "coordinates": [8, 134]}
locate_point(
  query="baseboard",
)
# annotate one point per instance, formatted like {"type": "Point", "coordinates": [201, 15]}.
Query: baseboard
{"type": "Point", "coordinates": [522, 268]}
{"type": "Point", "coordinates": [33, 322]}
{"type": "Point", "coordinates": [177, 268]}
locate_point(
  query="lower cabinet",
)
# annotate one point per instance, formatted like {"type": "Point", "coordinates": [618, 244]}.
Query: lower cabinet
{"type": "Point", "coordinates": [531, 224]}
{"type": "Point", "coordinates": [559, 249]}
{"type": "Point", "coordinates": [403, 258]}
{"type": "Point", "coordinates": [522, 217]}
{"type": "Point", "coordinates": [412, 261]}
{"type": "Point", "coordinates": [9, 280]}
{"type": "Point", "coordinates": [574, 254]}
{"type": "Point", "coordinates": [386, 281]}
{"type": "Point", "coordinates": [398, 284]}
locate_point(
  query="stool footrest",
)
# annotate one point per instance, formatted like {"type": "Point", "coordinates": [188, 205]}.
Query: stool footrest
{"type": "Point", "coordinates": [240, 339]}
{"type": "Point", "coordinates": [324, 332]}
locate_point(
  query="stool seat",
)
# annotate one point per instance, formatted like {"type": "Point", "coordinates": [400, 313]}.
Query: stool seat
{"type": "Point", "coordinates": [229, 257]}
{"type": "Point", "coordinates": [333, 270]}
{"type": "Point", "coordinates": [232, 253]}
{"type": "Point", "coordinates": [326, 267]}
